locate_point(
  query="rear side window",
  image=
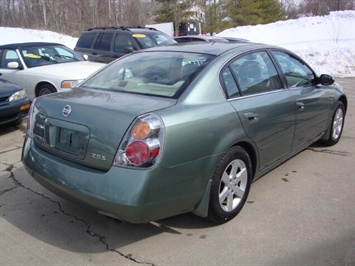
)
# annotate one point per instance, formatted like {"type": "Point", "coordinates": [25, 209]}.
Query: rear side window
{"type": "Point", "coordinates": [86, 40]}
{"type": "Point", "coordinates": [103, 41]}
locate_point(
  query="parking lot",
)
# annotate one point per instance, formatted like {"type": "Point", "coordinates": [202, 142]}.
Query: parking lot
{"type": "Point", "coordinates": [301, 213]}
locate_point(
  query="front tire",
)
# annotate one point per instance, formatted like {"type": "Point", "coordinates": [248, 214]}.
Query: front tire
{"type": "Point", "coordinates": [231, 184]}
{"type": "Point", "coordinates": [336, 126]}
{"type": "Point", "coordinates": [45, 89]}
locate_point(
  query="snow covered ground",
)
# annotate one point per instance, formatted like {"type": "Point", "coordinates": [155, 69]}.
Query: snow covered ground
{"type": "Point", "coordinates": [327, 43]}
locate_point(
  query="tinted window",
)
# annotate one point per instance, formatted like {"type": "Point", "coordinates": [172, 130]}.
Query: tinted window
{"type": "Point", "coordinates": [122, 42]}
{"type": "Point", "coordinates": [103, 41]}
{"type": "Point", "coordinates": [161, 73]}
{"type": "Point", "coordinates": [197, 40]}
{"type": "Point", "coordinates": [180, 40]}
{"type": "Point", "coordinates": [255, 73]}
{"type": "Point", "coordinates": [296, 72]}
{"type": "Point", "coordinates": [86, 40]}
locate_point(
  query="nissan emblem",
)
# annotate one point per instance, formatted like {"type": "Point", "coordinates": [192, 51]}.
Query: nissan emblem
{"type": "Point", "coordinates": [66, 110]}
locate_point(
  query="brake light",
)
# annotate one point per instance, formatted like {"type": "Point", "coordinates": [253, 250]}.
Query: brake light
{"type": "Point", "coordinates": [142, 144]}
{"type": "Point", "coordinates": [137, 152]}
{"type": "Point", "coordinates": [31, 117]}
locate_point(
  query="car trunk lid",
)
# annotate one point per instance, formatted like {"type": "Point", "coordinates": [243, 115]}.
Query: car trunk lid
{"type": "Point", "coordinates": [86, 126]}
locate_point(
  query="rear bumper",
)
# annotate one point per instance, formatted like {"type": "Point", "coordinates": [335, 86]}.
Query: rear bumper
{"type": "Point", "coordinates": [136, 196]}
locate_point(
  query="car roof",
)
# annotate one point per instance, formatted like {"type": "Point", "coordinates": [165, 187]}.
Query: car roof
{"type": "Point", "coordinates": [27, 44]}
{"type": "Point", "coordinates": [202, 37]}
{"type": "Point", "coordinates": [128, 29]}
{"type": "Point", "coordinates": [212, 48]}
{"type": "Point", "coordinates": [233, 39]}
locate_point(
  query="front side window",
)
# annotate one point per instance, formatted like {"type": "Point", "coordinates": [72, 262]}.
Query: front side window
{"type": "Point", "coordinates": [7, 57]}
{"type": "Point", "coordinates": [123, 42]}
{"type": "Point", "coordinates": [254, 73]}
{"type": "Point", "coordinates": [153, 73]}
{"type": "Point", "coordinates": [297, 73]}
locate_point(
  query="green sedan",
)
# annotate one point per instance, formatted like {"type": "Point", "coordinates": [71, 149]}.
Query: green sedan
{"type": "Point", "coordinates": [183, 128]}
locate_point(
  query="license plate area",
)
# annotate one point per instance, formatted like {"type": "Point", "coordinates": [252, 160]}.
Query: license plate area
{"type": "Point", "coordinates": [71, 141]}
{"type": "Point", "coordinates": [67, 139]}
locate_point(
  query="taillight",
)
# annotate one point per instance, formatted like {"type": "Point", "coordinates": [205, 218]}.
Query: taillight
{"type": "Point", "coordinates": [31, 117]}
{"type": "Point", "coordinates": [142, 144]}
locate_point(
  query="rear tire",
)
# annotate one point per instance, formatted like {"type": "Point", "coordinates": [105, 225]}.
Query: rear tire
{"type": "Point", "coordinates": [231, 184]}
{"type": "Point", "coordinates": [336, 126]}
{"type": "Point", "coordinates": [45, 89]}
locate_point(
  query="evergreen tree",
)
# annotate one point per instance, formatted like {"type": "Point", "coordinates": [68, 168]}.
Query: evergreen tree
{"type": "Point", "coordinates": [174, 11]}
{"type": "Point", "coordinates": [244, 12]}
{"type": "Point", "coordinates": [271, 11]}
{"type": "Point", "coordinates": [213, 16]}
{"type": "Point", "coordinates": [252, 12]}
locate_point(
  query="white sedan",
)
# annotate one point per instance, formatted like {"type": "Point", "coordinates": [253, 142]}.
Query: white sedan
{"type": "Point", "coordinates": [42, 68]}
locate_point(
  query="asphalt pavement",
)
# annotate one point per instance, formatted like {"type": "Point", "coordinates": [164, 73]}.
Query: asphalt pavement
{"type": "Point", "coordinates": [301, 213]}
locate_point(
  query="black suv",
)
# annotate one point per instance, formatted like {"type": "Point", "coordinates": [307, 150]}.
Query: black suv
{"type": "Point", "coordinates": [106, 44]}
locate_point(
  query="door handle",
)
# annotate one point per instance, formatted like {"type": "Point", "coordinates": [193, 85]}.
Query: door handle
{"type": "Point", "coordinates": [300, 106]}
{"type": "Point", "coordinates": [250, 116]}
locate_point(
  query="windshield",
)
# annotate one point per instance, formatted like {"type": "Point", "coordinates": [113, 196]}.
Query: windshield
{"type": "Point", "coordinates": [47, 55]}
{"type": "Point", "coordinates": [151, 73]}
{"type": "Point", "coordinates": [151, 39]}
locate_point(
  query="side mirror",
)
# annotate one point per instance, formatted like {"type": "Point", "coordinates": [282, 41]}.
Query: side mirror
{"type": "Point", "coordinates": [13, 65]}
{"type": "Point", "coordinates": [325, 79]}
{"type": "Point", "coordinates": [128, 50]}
{"type": "Point", "coordinates": [86, 57]}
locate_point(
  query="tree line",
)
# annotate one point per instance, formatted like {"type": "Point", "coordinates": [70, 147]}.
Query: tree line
{"type": "Point", "coordinates": [75, 16]}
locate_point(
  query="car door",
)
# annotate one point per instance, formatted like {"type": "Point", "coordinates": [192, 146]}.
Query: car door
{"type": "Point", "coordinates": [266, 109]}
{"type": "Point", "coordinates": [123, 44]}
{"type": "Point", "coordinates": [312, 102]}
{"type": "Point", "coordinates": [102, 51]}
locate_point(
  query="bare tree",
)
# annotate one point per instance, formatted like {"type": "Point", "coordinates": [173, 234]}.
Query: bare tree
{"type": "Point", "coordinates": [323, 7]}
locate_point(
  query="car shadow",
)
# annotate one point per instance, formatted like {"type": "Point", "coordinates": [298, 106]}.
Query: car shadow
{"type": "Point", "coordinates": [50, 219]}
{"type": "Point", "coordinates": [10, 128]}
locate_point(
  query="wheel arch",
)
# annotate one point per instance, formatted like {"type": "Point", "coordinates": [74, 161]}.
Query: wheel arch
{"type": "Point", "coordinates": [202, 208]}
{"type": "Point", "coordinates": [252, 154]}
{"type": "Point", "coordinates": [344, 101]}
{"type": "Point", "coordinates": [40, 84]}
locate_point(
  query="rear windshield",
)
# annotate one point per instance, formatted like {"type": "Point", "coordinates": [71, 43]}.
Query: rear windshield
{"type": "Point", "coordinates": [151, 73]}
